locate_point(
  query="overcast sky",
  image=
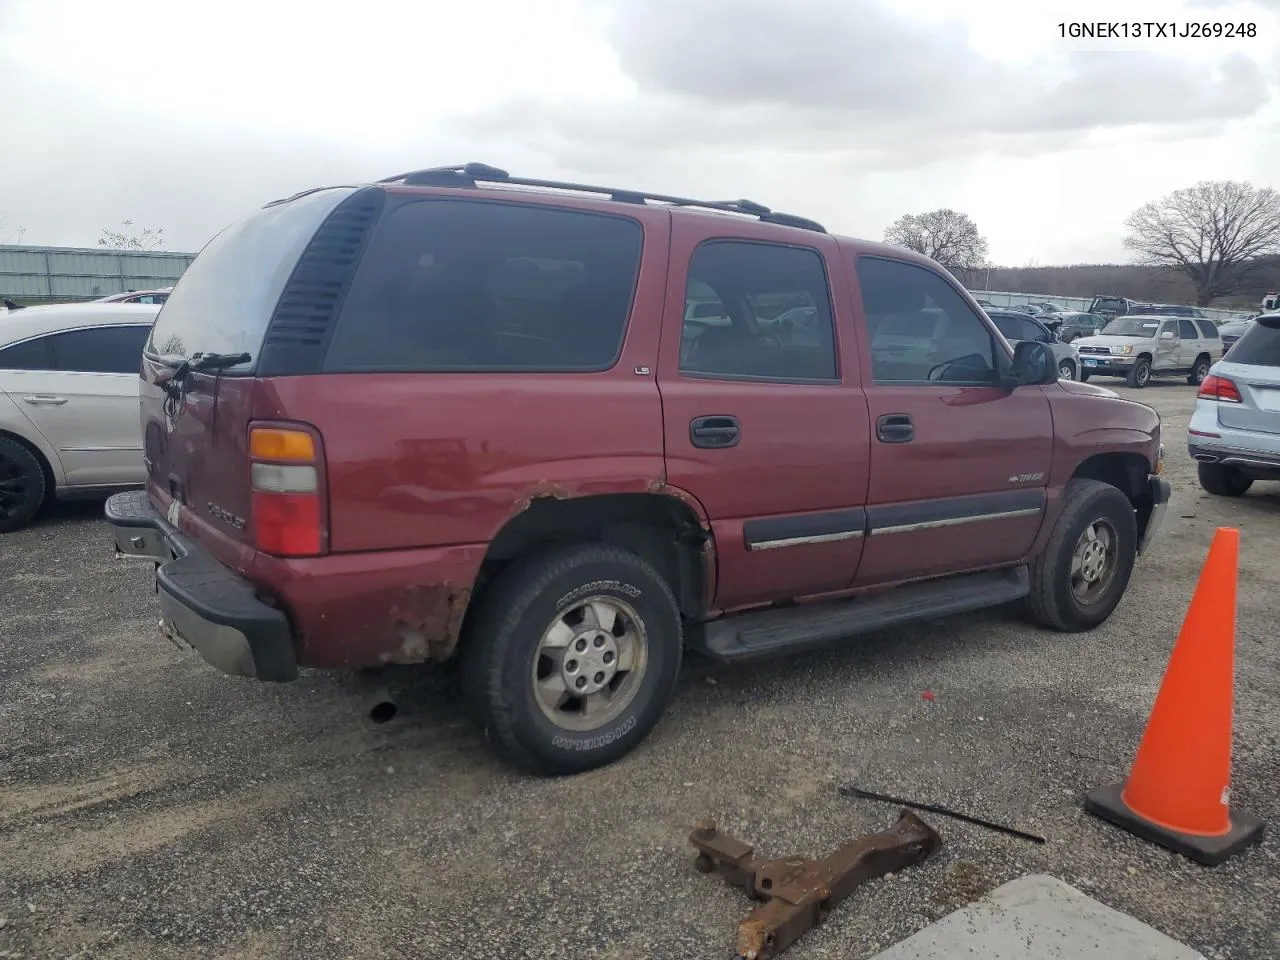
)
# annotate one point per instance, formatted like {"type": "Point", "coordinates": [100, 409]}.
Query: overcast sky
{"type": "Point", "coordinates": [184, 115]}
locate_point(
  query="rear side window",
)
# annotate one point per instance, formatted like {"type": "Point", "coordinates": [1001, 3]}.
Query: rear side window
{"type": "Point", "coordinates": [99, 350]}
{"type": "Point", "coordinates": [457, 285]}
{"type": "Point", "coordinates": [1259, 346]}
{"type": "Point", "coordinates": [28, 355]}
{"type": "Point", "coordinates": [1187, 330]}
{"type": "Point", "coordinates": [778, 311]}
{"type": "Point", "coordinates": [1207, 329]}
{"type": "Point", "coordinates": [225, 298]}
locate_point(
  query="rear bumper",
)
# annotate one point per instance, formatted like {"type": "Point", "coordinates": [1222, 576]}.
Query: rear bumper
{"type": "Point", "coordinates": [1255, 463]}
{"type": "Point", "coordinates": [204, 604]}
{"type": "Point", "coordinates": [1160, 493]}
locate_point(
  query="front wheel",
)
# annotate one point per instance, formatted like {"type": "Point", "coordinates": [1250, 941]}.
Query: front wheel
{"type": "Point", "coordinates": [1140, 374]}
{"type": "Point", "coordinates": [572, 657]}
{"type": "Point", "coordinates": [1081, 576]}
{"type": "Point", "coordinates": [1066, 370]}
{"type": "Point", "coordinates": [1222, 481]}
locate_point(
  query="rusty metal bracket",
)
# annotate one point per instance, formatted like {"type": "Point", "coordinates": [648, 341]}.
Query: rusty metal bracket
{"type": "Point", "coordinates": [798, 893]}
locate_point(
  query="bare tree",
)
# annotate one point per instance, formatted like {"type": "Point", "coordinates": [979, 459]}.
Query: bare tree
{"type": "Point", "coordinates": [147, 238]}
{"type": "Point", "coordinates": [947, 236]}
{"type": "Point", "coordinates": [13, 235]}
{"type": "Point", "coordinates": [1216, 234]}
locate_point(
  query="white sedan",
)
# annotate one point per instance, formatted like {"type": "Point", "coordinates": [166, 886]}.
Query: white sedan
{"type": "Point", "coordinates": [69, 423]}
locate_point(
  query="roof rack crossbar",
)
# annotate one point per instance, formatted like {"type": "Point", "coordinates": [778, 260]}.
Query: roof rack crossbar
{"type": "Point", "coordinates": [467, 175]}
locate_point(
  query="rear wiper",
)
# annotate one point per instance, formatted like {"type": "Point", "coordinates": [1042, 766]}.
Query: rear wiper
{"type": "Point", "coordinates": [216, 361]}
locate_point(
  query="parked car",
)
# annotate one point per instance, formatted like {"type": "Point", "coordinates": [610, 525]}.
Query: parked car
{"type": "Point", "coordinates": [1111, 307]}
{"type": "Point", "coordinates": [137, 296]}
{"type": "Point", "coordinates": [69, 404]}
{"type": "Point", "coordinates": [1018, 326]}
{"type": "Point", "coordinates": [1030, 309]}
{"type": "Point", "coordinates": [436, 416]}
{"type": "Point", "coordinates": [1139, 347]}
{"type": "Point", "coordinates": [1231, 331]}
{"type": "Point", "coordinates": [1234, 434]}
{"type": "Point", "coordinates": [1077, 325]}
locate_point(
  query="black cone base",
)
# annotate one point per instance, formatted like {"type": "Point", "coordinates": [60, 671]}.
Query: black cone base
{"type": "Point", "coordinates": [1246, 829]}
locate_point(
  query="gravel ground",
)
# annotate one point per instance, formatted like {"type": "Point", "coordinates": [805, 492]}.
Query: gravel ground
{"type": "Point", "coordinates": [151, 808]}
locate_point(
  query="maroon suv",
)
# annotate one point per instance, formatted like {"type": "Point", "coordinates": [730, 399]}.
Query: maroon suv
{"type": "Point", "coordinates": [564, 432]}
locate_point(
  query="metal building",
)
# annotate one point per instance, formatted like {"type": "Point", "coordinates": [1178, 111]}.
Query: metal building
{"type": "Point", "coordinates": [31, 275]}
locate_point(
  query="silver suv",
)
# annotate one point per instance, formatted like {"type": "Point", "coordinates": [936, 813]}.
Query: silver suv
{"type": "Point", "coordinates": [1139, 347]}
{"type": "Point", "coordinates": [1234, 434]}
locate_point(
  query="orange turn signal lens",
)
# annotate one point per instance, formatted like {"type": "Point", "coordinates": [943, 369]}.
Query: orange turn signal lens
{"type": "Point", "coordinates": [270, 443]}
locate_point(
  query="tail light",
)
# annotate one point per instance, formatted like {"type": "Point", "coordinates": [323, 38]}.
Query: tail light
{"type": "Point", "coordinates": [285, 467]}
{"type": "Point", "coordinates": [1220, 389]}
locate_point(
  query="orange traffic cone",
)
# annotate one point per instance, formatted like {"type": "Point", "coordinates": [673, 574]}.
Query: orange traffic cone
{"type": "Point", "coordinates": [1178, 790]}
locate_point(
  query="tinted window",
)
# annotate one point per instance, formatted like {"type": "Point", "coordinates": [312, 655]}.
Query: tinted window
{"type": "Point", "coordinates": [1187, 330]}
{"type": "Point", "coordinates": [465, 285]}
{"type": "Point", "coordinates": [226, 297]}
{"type": "Point", "coordinates": [1207, 329]}
{"type": "Point", "coordinates": [779, 311]}
{"type": "Point", "coordinates": [920, 328]}
{"type": "Point", "coordinates": [1258, 346]}
{"type": "Point", "coordinates": [28, 355]}
{"type": "Point", "coordinates": [100, 350]}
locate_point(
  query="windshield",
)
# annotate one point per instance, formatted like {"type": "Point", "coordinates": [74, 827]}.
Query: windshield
{"type": "Point", "coordinates": [1131, 327]}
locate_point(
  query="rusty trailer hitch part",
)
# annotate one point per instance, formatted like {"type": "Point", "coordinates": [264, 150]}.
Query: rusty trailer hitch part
{"type": "Point", "coordinates": [799, 893]}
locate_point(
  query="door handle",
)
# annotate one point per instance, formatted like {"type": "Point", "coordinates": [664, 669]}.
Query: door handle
{"type": "Point", "coordinates": [42, 399]}
{"type": "Point", "coordinates": [895, 428]}
{"type": "Point", "coordinates": [711, 433]}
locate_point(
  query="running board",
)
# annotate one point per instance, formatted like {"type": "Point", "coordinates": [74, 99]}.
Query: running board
{"type": "Point", "coordinates": [780, 630]}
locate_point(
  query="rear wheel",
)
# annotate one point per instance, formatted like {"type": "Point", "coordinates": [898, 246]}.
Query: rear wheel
{"type": "Point", "coordinates": [1140, 375]}
{"type": "Point", "coordinates": [1222, 481]}
{"type": "Point", "coordinates": [572, 657]}
{"type": "Point", "coordinates": [1082, 574]}
{"type": "Point", "coordinates": [1199, 371]}
{"type": "Point", "coordinates": [22, 485]}
{"type": "Point", "coordinates": [1066, 370]}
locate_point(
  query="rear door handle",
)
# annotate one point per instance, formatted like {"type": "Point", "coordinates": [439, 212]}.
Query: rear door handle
{"type": "Point", "coordinates": [714, 432]}
{"type": "Point", "coordinates": [42, 399]}
{"type": "Point", "coordinates": [895, 428]}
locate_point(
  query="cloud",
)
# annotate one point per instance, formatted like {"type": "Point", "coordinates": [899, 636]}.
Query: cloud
{"type": "Point", "coordinates": [855, 77]}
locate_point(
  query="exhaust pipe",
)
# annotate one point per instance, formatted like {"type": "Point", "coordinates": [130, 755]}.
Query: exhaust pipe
{"type": "Point", "coordinates": [379, 706]}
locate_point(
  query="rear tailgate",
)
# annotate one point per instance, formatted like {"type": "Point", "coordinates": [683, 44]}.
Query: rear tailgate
{"type": "Point", "coordinates": [196, 438]}
{"type": "Point", "coordinates": [1254, 368]}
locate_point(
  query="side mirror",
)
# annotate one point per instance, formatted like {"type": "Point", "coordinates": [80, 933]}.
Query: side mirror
{"type": "Point", "coordinates": [1033, 364]}
{"type": "Point", "coordinates": [1168, 335]}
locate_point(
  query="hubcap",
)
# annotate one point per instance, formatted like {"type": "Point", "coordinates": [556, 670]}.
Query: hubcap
{"type": "Point", "coordinates": [589, 663]}
{"type": "Point", "coordinates": [1093, 562]}
{"type": "Point", "coordinates": [1065, 372]}
{"type": "Point", "coordinates": [15, 487]}
{"type": "Point", "coordinates": [1143, 374]}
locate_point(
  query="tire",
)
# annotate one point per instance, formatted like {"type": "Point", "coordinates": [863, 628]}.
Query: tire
{"type": "Point", "coordinates": [1054, 600]}
{"type": "Point", "coordinates": [1222, 481]}
{"type": "Point", "coordinates": [501, 655]}
{"type": "Point", "coordinates": [23, 486]}
{"type": "Point", "coordinates": [1140, 375]}
{"type": "Point", "coordinates": [1066, 370]}
{"type": "Point", "coordinates": [1084, 376]}
{"type": "Point", "coordinates": [1200, 370]}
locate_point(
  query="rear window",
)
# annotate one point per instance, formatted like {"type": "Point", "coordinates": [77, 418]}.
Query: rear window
{"type": "Point", "coordinates": [1259, 346]}
{"type": "Point", "coordinates": [1208, 329]}
{"type": "Point", "coordinates": [456, 285]}
{"type": "Point", "coordinates": [224, 300]}
{"type": "Point", "coordinates": [1107, 303]}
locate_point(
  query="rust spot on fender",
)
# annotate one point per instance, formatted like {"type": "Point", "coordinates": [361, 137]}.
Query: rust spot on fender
{"type": "Point", "coordinates": [543, 488]}
{"type": "Point", "coordinates": [427, 620]}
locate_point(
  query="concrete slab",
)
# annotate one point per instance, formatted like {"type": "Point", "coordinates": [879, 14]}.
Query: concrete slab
{"type": "Point", "coordinates": [1038, 917]}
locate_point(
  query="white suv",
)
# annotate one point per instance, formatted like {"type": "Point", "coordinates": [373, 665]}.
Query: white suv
{"type": "Point", "coordinates": [1139, 347]}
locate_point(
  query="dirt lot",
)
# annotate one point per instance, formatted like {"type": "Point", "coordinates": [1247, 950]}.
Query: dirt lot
{"type": "Point", "coordinates": [152, 808]}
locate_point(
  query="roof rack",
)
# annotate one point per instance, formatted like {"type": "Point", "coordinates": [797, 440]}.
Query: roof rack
{"type": "Point", "coordinates": [469, 174]}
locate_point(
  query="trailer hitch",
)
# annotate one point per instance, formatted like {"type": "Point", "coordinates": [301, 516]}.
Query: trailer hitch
{"type": "Point", "coordinates": [797, 892]}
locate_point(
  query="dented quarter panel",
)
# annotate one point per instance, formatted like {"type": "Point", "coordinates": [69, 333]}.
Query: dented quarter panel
{"type": "Point", "coordinates": [362, 610]}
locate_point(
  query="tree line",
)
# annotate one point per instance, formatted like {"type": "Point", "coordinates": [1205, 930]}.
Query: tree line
{"type": "Point", "coordinates": [1218, 240]}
